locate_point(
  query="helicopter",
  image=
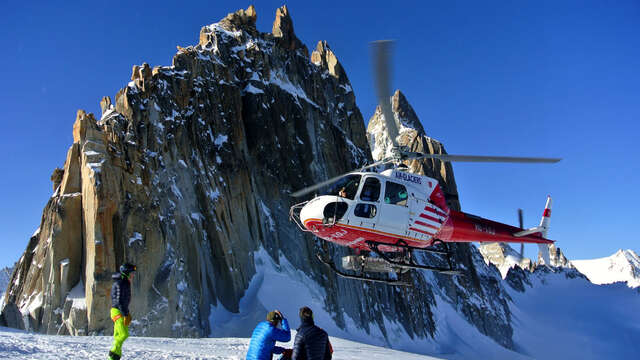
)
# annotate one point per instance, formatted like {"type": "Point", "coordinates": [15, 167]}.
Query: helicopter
{"type": "Point", "coordinates": [390, 215]}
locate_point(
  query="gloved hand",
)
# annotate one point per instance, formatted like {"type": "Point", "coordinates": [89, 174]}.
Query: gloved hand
{"type": "Point", "coordinates": [127, 320]}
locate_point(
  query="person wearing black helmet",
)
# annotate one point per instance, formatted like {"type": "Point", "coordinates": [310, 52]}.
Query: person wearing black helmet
{"type": "Point", "coordinates": [120, 298]}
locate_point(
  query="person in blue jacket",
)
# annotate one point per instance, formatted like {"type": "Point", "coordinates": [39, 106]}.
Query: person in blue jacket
{"type": "Point", "coordinates": [263, 340]}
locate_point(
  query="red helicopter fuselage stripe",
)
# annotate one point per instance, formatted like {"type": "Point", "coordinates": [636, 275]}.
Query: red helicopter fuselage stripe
{"type": "Point", "coordinates": [420, 231]}
{"type": "Point", "coordinates": [435, 211]}
{"type": "Point", "coordinates": [425, 224]}
{"type": "Point", "coordinates": [425, 216]}
{"type": "Point", "coordinates": [352, 233]}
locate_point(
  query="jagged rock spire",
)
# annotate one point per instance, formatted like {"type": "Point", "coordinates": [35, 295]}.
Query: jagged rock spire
{"type": "Point", "coordinates": [283, 25]}
{"type": "Point", "coordinates": [241, 18]}
{"type": "Point", "coordinates": [323, 56]}
{"type": "Point", "coordinates": [283, 30]}
{"type": "Point", "coordinates": [406, 120]}
{"type": "Point", "coordinates": [406, 115]}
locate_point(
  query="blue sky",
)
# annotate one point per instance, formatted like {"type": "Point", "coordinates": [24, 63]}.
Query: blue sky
{"type": "Point", "coordinates": [526, 78]}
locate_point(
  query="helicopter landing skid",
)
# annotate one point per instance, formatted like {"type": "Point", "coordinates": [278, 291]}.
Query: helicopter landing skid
{"type": "Point", "coordinates": [409, 263]}
{"type": "Point", "coordinates": [360, 277]}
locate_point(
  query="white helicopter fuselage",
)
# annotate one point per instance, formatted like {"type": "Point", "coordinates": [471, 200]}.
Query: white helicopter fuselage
{"type": "Point", "coordinates": [397, 207]}
{"type": "Point", "coordinates": [386, 207]}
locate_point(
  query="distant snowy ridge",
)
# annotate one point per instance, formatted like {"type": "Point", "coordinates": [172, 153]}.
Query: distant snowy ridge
{"type": "Point", "coordinates": [623, 266]}
{"type": "Point", "coordinates": [5, 276]}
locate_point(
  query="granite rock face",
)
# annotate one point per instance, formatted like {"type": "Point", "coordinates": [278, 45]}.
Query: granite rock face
{"type": "Point", "coordinates": [188, 174]}
{"type": "Point", "coordinates": [504, 257]}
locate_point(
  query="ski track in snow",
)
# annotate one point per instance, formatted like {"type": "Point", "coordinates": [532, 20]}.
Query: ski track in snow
{"type": "Point", "coordinates": [16, 344]}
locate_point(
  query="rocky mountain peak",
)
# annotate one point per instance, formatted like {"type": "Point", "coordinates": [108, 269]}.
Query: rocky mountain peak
{"type": "Point", "coordinates": [504, 257]}
{"type": "Point", "coordinates": [556, 256]}
{"type": "Point", "coordinates": [232, 25]}
{"type": "Point", "coordinates": [283, 30]}
{"type": "Point", "coordinates": [623, 266]}
{"type": "Point", "coordinates": [409, 126]}
{"type": "Point", "coordinates": [240, 19]}
{"type": "Point", "coordinates": [405, 113]}
{"type": "Point", "coordinates": [323, 56]}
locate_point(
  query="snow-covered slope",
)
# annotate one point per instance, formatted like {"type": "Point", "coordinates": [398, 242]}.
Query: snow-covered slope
{"type": "Point", "coordinates": [561, 315]}
{"type": "Point", "coordinates": [272, 288]}
{"type": "Point", "coordinates": [15, 344]}
{"type": "Point", "coordinates": [623, 266]}
{"type": "Point", "coordinates": [558, 316]}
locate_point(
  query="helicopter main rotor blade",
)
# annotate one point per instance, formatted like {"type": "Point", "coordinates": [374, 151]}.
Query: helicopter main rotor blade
{"type": "Point", "coordinates": [475, 158]}
{"type": "Point", "coordinates": [381, 57]}
{"type": "Point", "coordinates": [317, 186]}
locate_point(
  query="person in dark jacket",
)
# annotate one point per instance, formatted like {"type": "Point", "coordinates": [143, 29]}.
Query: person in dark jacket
{"type": "Point", "coordinates": [120, 298]}
{"type": "Point", "coordinates": [263, 340]}
{"type": "Point", "coordinates": [311, 343]}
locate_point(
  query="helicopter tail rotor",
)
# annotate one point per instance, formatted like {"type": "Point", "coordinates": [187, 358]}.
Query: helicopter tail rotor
{"type": "Point", "coordinates": [521, 228]}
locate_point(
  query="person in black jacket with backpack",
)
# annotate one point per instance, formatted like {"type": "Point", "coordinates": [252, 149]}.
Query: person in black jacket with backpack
{"type": "Point", "coordinates": [311, 343]}
{"type": "Point", "coordinates": [120, 298]}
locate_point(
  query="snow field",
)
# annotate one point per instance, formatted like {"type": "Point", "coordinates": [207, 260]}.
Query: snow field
{"type": "Point", "coordinates": [15, 344]}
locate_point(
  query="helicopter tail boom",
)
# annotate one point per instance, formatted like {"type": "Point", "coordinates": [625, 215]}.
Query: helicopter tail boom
{"type": "Point", "coordinates": [463, 227]}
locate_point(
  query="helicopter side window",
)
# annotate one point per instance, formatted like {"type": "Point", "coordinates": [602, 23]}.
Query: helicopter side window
{"type": "Point", "coordinates": [395, 194]}
{"type": "Point", "coordinates": [334, 211]}
{"type": "Point", "coordinates": [346, 187]}
{"type": "Point", "coordinates": [365, 211]}
{"type": "Point", "coordinates": [370, 190]}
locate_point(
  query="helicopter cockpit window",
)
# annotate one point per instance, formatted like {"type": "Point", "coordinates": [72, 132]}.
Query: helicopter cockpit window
{"type": "Point", "coordinates": [365, 211]}
{"type": "Point", "coordinates": [346, 187]}
{"type": "Point", "coordinates": [395, 194]}
{"type": "Point", "coordinates": [370, 190]}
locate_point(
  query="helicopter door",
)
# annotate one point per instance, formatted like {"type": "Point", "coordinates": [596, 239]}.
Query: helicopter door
{"type": "Point", "coordinates": [394, 212]}
{"type": "Point", "coordinates": [366, 210]}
